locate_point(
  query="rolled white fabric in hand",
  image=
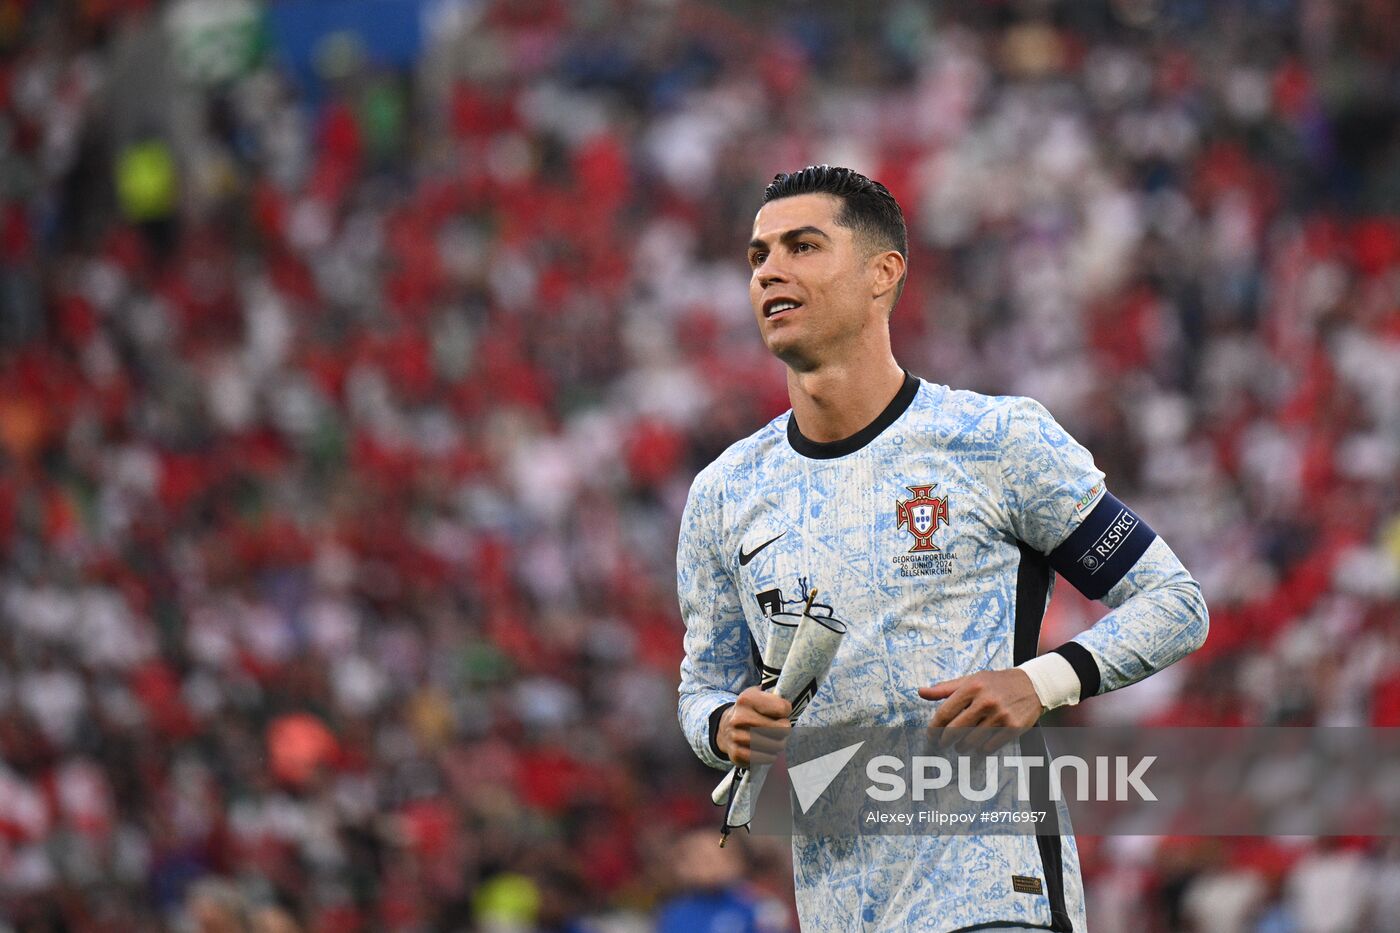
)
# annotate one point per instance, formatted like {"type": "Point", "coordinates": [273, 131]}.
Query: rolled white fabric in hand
{"type": "Point", "coordinates": [813, 649]}
{"type": "Point", "coordinates": [781, 631]}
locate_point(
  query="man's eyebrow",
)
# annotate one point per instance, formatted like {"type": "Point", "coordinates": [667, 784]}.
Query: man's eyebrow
{"type": "Point", "coordinates": [788, 236]}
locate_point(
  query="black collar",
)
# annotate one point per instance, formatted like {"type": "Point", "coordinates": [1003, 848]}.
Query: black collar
{"type": "Point", "coordinates": [819, 450]}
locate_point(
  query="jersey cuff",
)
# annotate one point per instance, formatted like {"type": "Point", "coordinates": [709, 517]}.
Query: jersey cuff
{"type": "Point", "coordinates": [1054, 678]}
{"type": "Point", "coordinates": [1104, 547]}
{"type": "Point", "coordinates": [714, 731]}
{"type": "Point", "coordinates": [1085, 667]}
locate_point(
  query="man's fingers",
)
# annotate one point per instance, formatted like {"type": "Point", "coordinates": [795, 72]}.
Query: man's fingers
{"type": "Point", "coordinates": [772, 706]}
{"type": "Point", "coordinates": [956, 717]}
{"type": "Point", "coordinates": [751, 719]}
{"type": "Point", "coordinates": [748, 700]}
{"type": "Point", "coordinates": [984, 727]}
{"type": "Point", "coordinates": [951, 707]}
{"type": "Point", "coordinates": [942, 690]}
{"type": "Point", "coordinates": [997, 736]}
{"type": "Point", "coordinates": [970, 716]}
{"type": "Point", "coordinates": [768, 704]}
{"type": "Point", "coordinates": [765, 745]}
{"type": "Point", "coordinates": [754, 709]}
{"type": "Point", "coordinates": [978, 712]}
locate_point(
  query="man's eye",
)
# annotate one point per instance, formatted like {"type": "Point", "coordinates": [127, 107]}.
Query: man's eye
{"type": "Point", "coordinates": [802, 247]}
{"type": "Point", "coordinates": [756, 259]}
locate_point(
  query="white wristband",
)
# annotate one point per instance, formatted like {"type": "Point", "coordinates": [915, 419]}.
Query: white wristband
{"type": "Point", "coordinates": [1054, 680]}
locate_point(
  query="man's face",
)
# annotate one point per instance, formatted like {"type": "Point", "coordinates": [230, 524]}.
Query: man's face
{"type": "Point", "coordinates": [799, 255]}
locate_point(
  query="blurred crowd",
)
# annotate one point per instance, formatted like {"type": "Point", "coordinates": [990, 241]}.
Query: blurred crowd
{"type": "Point", "coordinates": [347, 412]}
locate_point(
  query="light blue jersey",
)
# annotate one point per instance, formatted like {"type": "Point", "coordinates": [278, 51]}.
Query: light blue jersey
{"type": "Point", "coordinates": [932, 533]}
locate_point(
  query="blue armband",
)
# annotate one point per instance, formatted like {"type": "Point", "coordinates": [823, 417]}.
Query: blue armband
{"type": "Point", "coordinates": [1104, 547]}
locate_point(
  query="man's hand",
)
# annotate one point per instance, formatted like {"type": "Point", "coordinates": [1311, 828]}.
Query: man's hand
{"type": "Point", "coordinates": [992, 706]}
{"type": "Point", "coordinates": [754, 709]}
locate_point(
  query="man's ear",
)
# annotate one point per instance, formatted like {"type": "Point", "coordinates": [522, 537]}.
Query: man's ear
{"type": "Point", "coordinates": [888, 268]}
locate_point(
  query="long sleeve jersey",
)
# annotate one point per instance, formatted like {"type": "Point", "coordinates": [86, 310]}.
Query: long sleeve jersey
{"type": "Point", "coordinates": [933, 532]}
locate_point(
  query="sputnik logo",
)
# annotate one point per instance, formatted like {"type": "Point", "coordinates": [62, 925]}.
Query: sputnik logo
{"type": "Point", "coordinates": [811, 778]}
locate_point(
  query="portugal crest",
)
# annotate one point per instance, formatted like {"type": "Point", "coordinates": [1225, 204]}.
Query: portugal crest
{"type": "Point", "coordinates": [923, 514]}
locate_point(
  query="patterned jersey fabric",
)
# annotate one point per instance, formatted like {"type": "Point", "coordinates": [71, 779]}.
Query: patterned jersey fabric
{"type": "Point", "coordinates": [931, 533]}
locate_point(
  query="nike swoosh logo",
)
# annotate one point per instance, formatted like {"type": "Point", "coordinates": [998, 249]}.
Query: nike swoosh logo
{"type": "Point", "coordinates": [745, 558]}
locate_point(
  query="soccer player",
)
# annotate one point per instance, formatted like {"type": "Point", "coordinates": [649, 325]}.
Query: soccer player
{"type": "Point", "coordinates": [930, 519]}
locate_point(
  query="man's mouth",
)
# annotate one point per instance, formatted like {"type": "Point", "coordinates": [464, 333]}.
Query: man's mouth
{"type": "Point", "coordinates": [778, 305]}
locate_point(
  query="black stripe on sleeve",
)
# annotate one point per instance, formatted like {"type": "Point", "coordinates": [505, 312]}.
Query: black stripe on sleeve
{"type": "Point", "coordinates": [1032, 588]}
{"type": "Point", "coordinates": [1104, 547]}
{"type": "Point", "coordinates": [1048, 839]}
{"type": "Point", "coordinates": [1084, 665]}
{"type": "Point", "coordinates": [714, 731]}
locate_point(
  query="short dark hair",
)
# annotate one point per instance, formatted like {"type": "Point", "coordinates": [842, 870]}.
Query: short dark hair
{"type": "Point", "coordinates": [867, 206]}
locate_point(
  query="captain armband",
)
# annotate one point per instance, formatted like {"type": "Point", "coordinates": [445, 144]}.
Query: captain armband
{"type": "Point", "coordinates": [1104, 547]}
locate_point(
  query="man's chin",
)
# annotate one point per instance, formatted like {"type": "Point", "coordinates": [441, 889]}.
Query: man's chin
{"type": "Point", "coordinates": [793, 355]}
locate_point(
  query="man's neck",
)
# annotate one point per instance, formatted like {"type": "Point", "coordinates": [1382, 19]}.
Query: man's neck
{"type": "Point", "coordinates": [835, 401]}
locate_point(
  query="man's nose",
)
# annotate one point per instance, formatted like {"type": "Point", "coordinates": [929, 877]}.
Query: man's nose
{"type": "Point", "coordinates": [770, 274]}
